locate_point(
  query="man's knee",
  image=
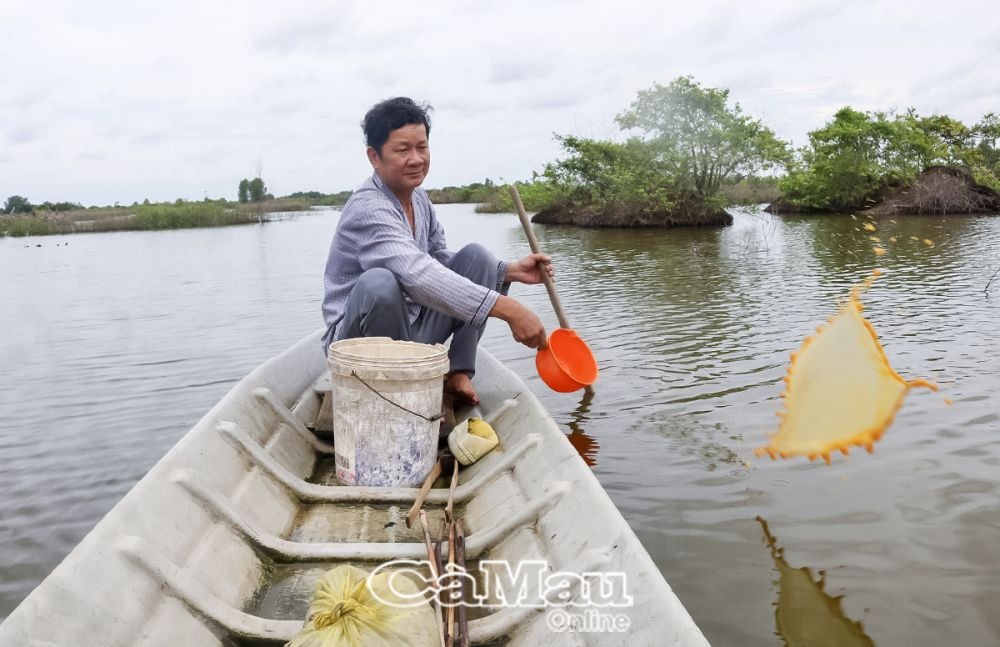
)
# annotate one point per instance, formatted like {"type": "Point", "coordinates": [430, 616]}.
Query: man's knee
{"type": "Point", "coordinates": [379, 286]}
{"type": "Point", "coordinates": [376, 308]}
{"type": "Point", "coordinates": [475, 254]}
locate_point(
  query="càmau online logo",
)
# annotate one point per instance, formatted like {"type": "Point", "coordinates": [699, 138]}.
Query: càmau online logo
{"type": "Point", "coordinates": [531, 584]}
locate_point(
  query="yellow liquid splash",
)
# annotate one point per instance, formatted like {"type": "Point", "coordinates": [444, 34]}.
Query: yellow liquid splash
{"type": "Point", "coordinates": [841, 390]}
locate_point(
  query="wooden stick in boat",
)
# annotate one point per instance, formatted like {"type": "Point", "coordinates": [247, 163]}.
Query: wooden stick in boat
{"type": "Point", "coordinates": [435, 573]}
{"type": "Point", "coordinates": [442, 529]}
{"type": "Point", "coordinates": [450, 570]}
{"type": "Point", "coordinates": [462, 630]}
{"type": "Point", "coordinates": [449, 513]}
{"type": "Point", "coordinates": [424, 489]}
{"type": "Point", "coordinates": [449, 510]}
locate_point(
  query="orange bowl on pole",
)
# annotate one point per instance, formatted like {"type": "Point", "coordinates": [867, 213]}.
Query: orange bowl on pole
{"type": "Point", "coordinates": [567, 364]}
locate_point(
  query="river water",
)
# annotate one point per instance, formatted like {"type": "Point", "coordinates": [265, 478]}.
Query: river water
{"type": "Point", "coordinates": [114, 344]}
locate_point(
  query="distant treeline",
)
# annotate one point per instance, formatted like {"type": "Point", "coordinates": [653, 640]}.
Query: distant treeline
{"type": "Point", "coordinates": [22, 218]}
{"type": "Point", "coordinates": [319, 199]}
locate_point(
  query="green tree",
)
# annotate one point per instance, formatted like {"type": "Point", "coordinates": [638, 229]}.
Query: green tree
{"type": "Point", "coordinates": [858, 154]}
{"type": "Point", "coordinates": [604, 172]}
{"type": "Point", "coordinates": [257, 189]}
{"type": "Point", "coordinates": [243, 193]}
{"type": "Point", "coordinates": [699, 141]}
{"type": "Point", "coordinates": [17, 204]}
{"type": "Point", "coordinates": [985, 161]}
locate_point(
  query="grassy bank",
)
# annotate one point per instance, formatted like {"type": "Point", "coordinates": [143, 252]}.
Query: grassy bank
{"type": "Point", "coordinates": [147, 217]}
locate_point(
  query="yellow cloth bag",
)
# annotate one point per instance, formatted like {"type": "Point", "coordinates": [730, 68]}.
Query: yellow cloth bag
{"type": "Point", "coordinates": [471, 440]}
{"type": "Point", "coordinates": [352, 610]}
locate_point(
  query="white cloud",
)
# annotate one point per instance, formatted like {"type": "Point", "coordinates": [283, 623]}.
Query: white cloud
{"type": "Point", "coordinates": [119, 101]}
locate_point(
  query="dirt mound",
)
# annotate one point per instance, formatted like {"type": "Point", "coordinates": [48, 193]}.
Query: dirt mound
{"type": "Point", "coordinates": [624, 216]}
{"type": "Point", "coordinates": [940, 190]}
{"type": "Point", "coordinates": [782, 206]}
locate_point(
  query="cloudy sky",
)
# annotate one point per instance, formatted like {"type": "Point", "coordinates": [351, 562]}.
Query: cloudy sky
{"type": "Point", "coordinates": [122, 101]}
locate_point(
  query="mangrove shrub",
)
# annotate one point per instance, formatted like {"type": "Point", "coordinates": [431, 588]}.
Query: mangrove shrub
{"type": "Point", "coordinates": [688, 143]}
{"type": "Point", "coordinates": [857, 155]}
{"type": "Point", "coordinates": [699, 141]}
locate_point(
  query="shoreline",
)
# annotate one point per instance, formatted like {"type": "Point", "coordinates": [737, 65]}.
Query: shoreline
{"type": "Point", "coordinates": [151, 217]}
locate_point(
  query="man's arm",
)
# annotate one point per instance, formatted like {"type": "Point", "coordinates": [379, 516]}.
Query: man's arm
{"type": "Point", "coordinates": [438, 248]}
{"type": "Point", "coordinates": [383, 241]}
{"type": "Point", "coordinates": [524, 324]}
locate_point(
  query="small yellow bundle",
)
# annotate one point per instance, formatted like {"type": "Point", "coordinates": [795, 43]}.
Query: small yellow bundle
{"type": "Point", "coordinates": [471, 440]}
{"type": "Point", "coordinates": [351, 609]}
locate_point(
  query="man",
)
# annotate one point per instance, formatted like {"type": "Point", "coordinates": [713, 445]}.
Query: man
{"type": "Point", "coordinates": [389, 273]}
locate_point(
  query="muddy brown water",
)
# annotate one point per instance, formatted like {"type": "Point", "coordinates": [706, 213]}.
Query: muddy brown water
{"type": "Point", "coordinates": [114, 344]}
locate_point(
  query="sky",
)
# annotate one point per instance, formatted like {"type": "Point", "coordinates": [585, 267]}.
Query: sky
{"type": "Point", "coordinates": [104, 102]}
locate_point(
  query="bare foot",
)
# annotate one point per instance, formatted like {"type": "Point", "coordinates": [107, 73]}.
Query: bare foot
{"type": "Point", "coordinates": [460, 385]}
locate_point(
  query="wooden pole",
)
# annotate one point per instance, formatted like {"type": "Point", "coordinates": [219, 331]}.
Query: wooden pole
{"type": "Point", "coordinates": [435, 573]}
{"type": "Point", "coordinates": [462, 631]}
{"type": "Point", "coordinates": [418, 503]}
{"type": "Point", "coordinates": [550, 285]}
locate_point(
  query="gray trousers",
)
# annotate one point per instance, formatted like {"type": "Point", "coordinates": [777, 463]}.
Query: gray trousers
{"type": "Point", "coordinates": [376, 308]}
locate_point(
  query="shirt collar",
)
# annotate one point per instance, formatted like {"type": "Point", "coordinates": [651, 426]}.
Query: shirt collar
{"type": "Point", "coordinates": [384, 188]}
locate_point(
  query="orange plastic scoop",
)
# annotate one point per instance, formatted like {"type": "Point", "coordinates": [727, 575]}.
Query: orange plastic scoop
{"type": "Point", "coordinates": [567, 364]}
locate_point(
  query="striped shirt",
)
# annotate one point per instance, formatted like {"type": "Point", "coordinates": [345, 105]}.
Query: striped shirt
{"type": "Point", "coordinates": [373, 232]}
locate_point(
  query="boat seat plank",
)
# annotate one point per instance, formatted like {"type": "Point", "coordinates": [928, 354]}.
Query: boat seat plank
{"type": "Point", "coordinates": [283, 550]}
{"type": "Point", "coordinates": [494, 464]}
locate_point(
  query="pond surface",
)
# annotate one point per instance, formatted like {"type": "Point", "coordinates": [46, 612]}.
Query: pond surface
{"type": "Point", "coordinates": [115, 344]}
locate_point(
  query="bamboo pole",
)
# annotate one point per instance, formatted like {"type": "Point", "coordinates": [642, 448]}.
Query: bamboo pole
{"type": "Point", "coordinates": [435, 573]}
{"type": "Point", "coordinates": [550, 285]}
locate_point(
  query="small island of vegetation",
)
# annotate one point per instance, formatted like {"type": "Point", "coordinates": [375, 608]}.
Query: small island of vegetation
{"type": "Point", "coordinates": [898, 163]}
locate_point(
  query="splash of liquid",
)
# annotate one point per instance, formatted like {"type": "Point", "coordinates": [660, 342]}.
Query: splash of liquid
{"type": "Point", "coordinates": [841, 390]}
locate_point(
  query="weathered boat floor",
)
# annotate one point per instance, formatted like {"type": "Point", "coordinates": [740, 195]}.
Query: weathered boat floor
{"type": "Point", "coordinates": [362, 522]}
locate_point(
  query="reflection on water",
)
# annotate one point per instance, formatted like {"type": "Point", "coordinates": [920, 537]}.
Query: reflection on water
{"type": "Point", "coordinates": [585, 444]}
{"type": "Point", "coordinates": [805, 614]}
{"type": "Point", "coordinates": [116, 345]}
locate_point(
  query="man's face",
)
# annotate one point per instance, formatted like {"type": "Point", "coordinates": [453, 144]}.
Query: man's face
{"type": "Point", "coordinates": [405, 158]}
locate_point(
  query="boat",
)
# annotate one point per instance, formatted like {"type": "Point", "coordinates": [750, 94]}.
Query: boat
{"type": "Point", "coordinates": [222, 542]}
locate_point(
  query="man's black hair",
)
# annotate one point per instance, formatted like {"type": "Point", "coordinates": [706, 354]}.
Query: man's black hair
{"type": "Point", "coordinates": [386, 116]}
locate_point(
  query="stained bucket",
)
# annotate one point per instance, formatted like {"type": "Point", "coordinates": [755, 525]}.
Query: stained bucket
{"type": "Point", "coordinates": [386, 410]}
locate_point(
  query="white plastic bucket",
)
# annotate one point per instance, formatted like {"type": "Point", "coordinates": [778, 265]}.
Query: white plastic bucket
{"type": "Point", "coordinates": [386, 406]}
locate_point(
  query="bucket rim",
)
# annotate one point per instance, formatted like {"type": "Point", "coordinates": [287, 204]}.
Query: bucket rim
{"type": "Point", "coordinates": [425, 361]}
{"type": "Point", "coordinates": [344, 348]}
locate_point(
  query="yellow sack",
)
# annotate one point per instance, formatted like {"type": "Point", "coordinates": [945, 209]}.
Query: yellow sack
{"type": "Point", "coordinates": [471, 440]}
{"type": "Point", "coordinates": [348, 610]}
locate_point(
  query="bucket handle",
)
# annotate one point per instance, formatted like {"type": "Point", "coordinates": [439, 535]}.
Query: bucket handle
{"type": "Point", "coordinates": [433, 418]}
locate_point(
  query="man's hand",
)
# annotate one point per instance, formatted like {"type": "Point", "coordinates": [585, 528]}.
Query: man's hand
{"type": "Point", "coordinates": [529, 269]}
{"type": "Point", "coordinates": [526, 327]}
